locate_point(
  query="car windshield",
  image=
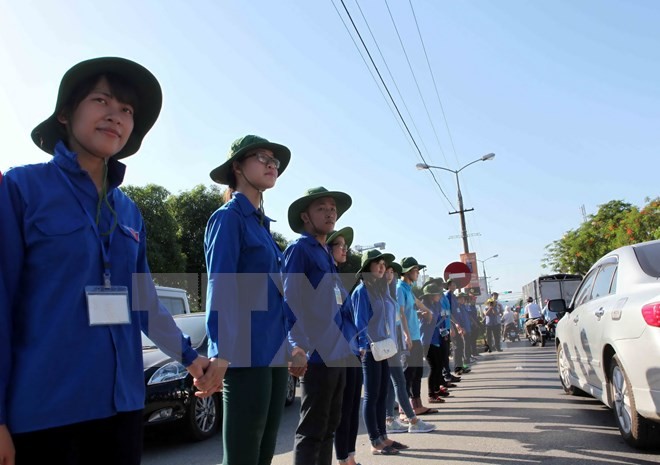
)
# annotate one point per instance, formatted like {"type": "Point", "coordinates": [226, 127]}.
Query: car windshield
{"type": "Point", "coordinates": [648, 256]}
{"type": "Point", "coordinates": [193, 326]}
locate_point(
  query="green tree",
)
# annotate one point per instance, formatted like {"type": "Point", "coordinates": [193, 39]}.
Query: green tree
{"type": "Point", "coordinates": [192, 210]}
{"type": "Point", "coordinates": [281, 241]}
{"type": "Point", "coordinates": [616, 224]}
{"type": "Point", "coordinates": [163, 249]}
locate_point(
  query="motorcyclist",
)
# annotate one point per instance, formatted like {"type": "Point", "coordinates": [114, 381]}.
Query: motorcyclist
{"type": "Point", "coordinates": [532, 313]}
{"type": "Point", "coordinates": [507, 321]}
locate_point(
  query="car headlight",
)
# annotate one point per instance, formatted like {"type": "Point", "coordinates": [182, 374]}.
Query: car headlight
{"type": "Point", "coordinates": [169, 372]}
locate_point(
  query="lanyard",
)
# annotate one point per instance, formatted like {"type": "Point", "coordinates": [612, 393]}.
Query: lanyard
{"type": "Point", "coordinates": [104, 251]}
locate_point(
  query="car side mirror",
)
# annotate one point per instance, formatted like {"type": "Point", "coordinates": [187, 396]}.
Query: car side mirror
{"type": "Point", "coordinates": [558, 306]}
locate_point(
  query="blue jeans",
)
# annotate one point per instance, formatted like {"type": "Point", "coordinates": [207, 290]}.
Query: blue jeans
{"type": "Point", "coordinates": [398, 383]}
{"type": "Point", "coordinates": [376, 377]}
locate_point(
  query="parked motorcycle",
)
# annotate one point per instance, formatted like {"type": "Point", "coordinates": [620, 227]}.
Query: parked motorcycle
{"type": "Point", "coordinates": [538, 333]}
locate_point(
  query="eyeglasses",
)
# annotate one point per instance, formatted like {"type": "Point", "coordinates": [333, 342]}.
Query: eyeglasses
{"type": "Point", "coordinates": [343, 247]}
{"type": "Point", "coordinates": [265, 159]}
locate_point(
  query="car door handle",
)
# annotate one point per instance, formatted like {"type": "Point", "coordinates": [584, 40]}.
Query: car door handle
{"type": "Point", "coordinates": [599, 313]}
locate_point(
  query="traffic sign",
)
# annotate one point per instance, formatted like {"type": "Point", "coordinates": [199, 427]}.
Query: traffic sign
{"type": "Point", "coordinates": [459, 272]}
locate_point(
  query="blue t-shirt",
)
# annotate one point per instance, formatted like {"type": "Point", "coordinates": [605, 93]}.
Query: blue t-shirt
{"type": "Point", "coordinates": [406, 299]}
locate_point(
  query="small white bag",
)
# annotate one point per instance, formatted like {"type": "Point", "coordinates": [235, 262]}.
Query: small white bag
{"type": "Point", "coordinates": [382, 350]}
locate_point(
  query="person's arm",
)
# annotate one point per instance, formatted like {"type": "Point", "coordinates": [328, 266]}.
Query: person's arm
{"type": "Point", "coordinates": [363, 314]}
{"type": "Point", "coordinates": [401, 302]}
{"type": "Point", "coordinates": [12, 256]}
{"type": "Point", "coordinates": [423, 310]}
{"type": "Point", "coordinates": [297, 291]}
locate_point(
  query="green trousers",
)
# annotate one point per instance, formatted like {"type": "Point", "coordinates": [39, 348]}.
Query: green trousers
{"type": "Point", "coordinates": [253, 402]}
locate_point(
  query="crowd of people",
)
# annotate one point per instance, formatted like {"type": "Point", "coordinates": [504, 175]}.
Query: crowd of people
{"type": "Point", "coordinates": [80, 293]}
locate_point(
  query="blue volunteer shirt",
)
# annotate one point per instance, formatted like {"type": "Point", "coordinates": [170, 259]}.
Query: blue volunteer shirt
{"type": "Point", "coordinates": [375, 317]}
{"type": "Point", "coordinates": [245, 309]}
{"type": "Point", "coordinates": [406, 299]}
{"type": "Point", "coordinates": [56, 369]}
{"type": "Point", "coordinates": [311, 289]}
{"type": "Point", "coordinates": [429, 329]}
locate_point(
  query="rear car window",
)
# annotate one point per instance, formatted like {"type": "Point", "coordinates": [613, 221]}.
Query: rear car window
{"type": "Point", "coordinates": [648, 256]}
{"type": "Point", "coordinates": [175, 305]}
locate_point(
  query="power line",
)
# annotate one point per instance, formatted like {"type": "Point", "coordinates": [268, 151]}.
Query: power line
{"type": "Point", "coordinates": [348, 13]}
{"type": "Point", "coordinates": [442, 108]}
{"type": "Point", "coordinates": [421, 96]}
{"type": "Point", "coordinates": [389, 105]}
{"type": "Point", "coordinates": [412, 120]}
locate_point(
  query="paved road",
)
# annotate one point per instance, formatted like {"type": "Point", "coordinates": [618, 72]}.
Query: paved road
{"type": "Point", "coordinates": [509, 410]}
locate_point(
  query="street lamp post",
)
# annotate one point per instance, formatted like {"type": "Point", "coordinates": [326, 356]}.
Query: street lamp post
{"type": "Point", "coordinates": [483, 264]}
{"type": "Point", "coordinates": [461, 211]}
{"type": "Point", "coordinates": [362, 248]}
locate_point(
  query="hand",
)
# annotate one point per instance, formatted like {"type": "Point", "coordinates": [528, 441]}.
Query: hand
{"type": "Point", "coordinates": [198, 366]}
{"type": "Point", "coordinates": [408, 341]}
{"type": "Point", "coordinates": [212, 379]}
{"type": "Point", "coordinates": [7, 451]}
{"type": "Point", "coordinates": [298, 363]}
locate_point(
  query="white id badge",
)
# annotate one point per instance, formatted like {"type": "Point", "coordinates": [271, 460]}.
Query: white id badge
{"type": "Point", "coordinates": [338, 296]}
{"type": "Point", "coordinates": [107, 306]}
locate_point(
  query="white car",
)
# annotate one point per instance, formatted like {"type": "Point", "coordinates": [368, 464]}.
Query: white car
{"type": "Point", "coordinates": [608, 342]}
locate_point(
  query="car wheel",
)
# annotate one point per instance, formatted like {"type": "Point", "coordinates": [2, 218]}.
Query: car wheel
{"type": "Point", "coordinates": [564, 366]}
{"type": "Point", "coordinates": [290, 390]}
{"type": "Point", "coordinates": [203, 417]}
{"type": "Point", "coordinates": [635, 429]}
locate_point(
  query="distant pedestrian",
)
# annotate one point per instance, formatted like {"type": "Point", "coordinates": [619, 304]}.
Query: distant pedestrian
{"type": "Point", "coordinates": [493, 331]}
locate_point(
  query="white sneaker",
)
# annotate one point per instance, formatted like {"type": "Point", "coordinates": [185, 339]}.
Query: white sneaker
{"type": "Point", "coordinates": [395, 427]}
{"type": "Point", "coordinates": [420, 427]}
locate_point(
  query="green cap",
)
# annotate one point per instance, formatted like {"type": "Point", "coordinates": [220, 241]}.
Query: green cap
{"type": "Point", "coordinates": [346, 233]}
{"type": "Point", "coordinates": [408, 263]}
{"type": "Point", "coordinates": [150, 99]}
{"type": "Point", "coordinates": [342, 200]}
{"type": "Point", "coordinates": [369, 256]}
{"type": "Point", "coordinates": [241, 147]}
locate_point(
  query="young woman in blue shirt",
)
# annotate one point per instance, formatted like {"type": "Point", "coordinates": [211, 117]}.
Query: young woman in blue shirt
{"type": "Point", "coordinates": [245, 311]}
{"type": "Point", "coordinates": [375, 320]}
{"type": "Point", "coordinates": [76, 289]}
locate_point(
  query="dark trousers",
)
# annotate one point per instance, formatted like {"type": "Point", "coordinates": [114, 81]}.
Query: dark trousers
{"type": "Point", "coordinates": [493, 334]}
{"type": "Point", "coordinates": [253, 403]}
{"type": "Point", "coordinates": [459, 350]}
{"type": "Point", "coordinates": [322, 392]}
{"type": "Point", "coordinates": [435, 379]}
{"type": "Point", "coordinates": [445, 345]}
{"type": "Point", "coordinates": [376, 379]}
{"type": "Point", "coordinates": [346, 434]}
{"type": "Point", "coordinates": [415, 370]}
{"type": "Point", "coordinates": [108, 441]}
{"type": "Point", "coordinates": [474, 335]}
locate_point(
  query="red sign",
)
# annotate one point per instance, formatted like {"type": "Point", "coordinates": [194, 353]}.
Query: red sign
{"type": "Point", "coordinates": [470, 259]}
{"type": "Point", "coordinates": [459, 272]}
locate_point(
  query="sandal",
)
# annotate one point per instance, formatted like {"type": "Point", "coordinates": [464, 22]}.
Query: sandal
{"type": "Point", "coordinates": [387, 450]}
{"type": "Point", "coordinates": [398, 446]}
{"type": "Point", "coordinates": [435, 400]}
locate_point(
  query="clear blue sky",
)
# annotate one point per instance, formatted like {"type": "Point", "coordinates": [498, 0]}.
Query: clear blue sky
{"type": "Point", "coordinates": [565, 93]}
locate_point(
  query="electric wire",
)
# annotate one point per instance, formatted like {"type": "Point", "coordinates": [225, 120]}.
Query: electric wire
{"type": "Point", "coordinates": [393, 101]}
{"type": "Point", "coordinates": [387, 101]}
{"type": "Point", "coordinates": [435, 86]}
{"type": "Point", "coordinates": [419, 90]}
{"type": "Point", "coordinates": [403, 102]}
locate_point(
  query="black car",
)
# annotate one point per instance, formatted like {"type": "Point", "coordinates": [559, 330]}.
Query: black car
{"type": "Point", "coordinates": [170, 397]}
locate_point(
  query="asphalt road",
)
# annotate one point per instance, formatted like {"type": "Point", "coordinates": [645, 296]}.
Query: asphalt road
{"type": "Point", "coordinates": [509, 410]}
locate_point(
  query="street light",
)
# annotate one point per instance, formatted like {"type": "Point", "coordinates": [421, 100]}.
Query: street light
{"type": "Point", "coordinates": [362, 248]}
{"type": "Point", "coordinates": [461, 211]}
{"type": "Point", "coordinates": [483, 264]}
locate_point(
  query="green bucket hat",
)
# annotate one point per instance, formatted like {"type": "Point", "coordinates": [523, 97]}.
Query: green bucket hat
{"type": "Point", "coordinates": [397, 268]}
{"type": "Point", "coordinates": [49, 132]}
{"type": "Point", "coordinates": [435, 281]}
{"type": "Point", "coordinates": [432, 289]}
{"type": "Point", "coordinates": [346, 233]}
{"type": "Point", "coordinates": [369, 256]}
{"type": "Point", "coordinates": [343, 201]}
{"type": "Point", "coordinates": [408, 263]}
{"type": "Point", "coordinates": [245, 144]}
{"type": "Point", "coordinates": [462, 294]}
